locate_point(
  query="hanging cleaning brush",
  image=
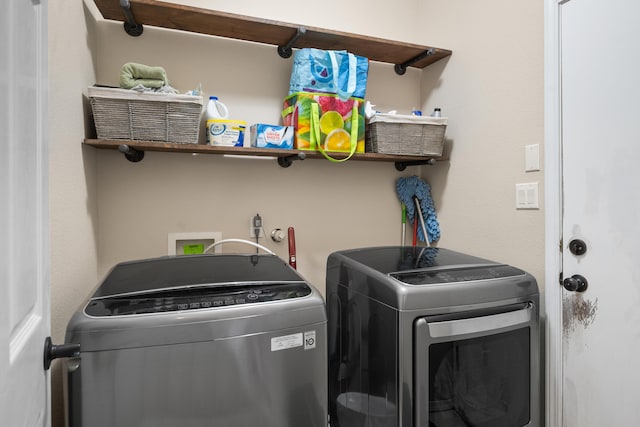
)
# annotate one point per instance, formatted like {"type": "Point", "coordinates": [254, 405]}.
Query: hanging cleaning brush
{"type": "Point", "coordinates": [412, 186]}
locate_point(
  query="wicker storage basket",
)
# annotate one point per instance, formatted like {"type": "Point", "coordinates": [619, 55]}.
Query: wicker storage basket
{"type": "Point", "coordinates": [149, 116]}
{"type": "Point", "coordinates": [406, 135]}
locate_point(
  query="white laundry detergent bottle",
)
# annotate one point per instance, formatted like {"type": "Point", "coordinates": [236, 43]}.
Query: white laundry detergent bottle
{"type": "Point", "coordinates": [216, 109]}
{"type": "Point", "coordinates": [220, 130]}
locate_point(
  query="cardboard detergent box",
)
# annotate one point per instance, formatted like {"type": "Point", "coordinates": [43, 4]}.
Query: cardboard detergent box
{"type": "Point", "coordinates": [271, 136]}
{"type": "Point", "coordinates": [226, 133]}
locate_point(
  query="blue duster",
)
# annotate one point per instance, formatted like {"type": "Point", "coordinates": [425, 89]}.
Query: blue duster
{"type": "Point", "coordinates": [412, 186]}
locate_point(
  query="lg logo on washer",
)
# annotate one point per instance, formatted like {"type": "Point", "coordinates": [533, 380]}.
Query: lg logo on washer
{"type": "Point", "coordinates": [309, 340]}
{"type": "Point", "coordinates": [294, 340]}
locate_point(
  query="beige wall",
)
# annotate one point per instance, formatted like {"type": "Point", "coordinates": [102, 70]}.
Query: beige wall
{"type": "Point", "coordinates": [331, 206]}
{"type": "Point", "coordinates": [492, 90]}
{"type": "Point", "coordinates": [105, 209]}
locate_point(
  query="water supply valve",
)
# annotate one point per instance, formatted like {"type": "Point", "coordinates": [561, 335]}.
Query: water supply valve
{"type": "Point", "coordinates": [277, 235]}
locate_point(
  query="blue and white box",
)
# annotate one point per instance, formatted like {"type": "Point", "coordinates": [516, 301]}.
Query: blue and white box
{"type": "Point", "coordinates": [271, 136]}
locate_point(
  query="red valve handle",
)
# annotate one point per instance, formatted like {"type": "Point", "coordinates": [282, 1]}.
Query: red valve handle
{"type": "Point", "coordinates": [292, 247]}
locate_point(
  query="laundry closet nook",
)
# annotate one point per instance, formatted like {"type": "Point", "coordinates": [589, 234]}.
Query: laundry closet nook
{"type": "Point", "coordinates": [106, 209]}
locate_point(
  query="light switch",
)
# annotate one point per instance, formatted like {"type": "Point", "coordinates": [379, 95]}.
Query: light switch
{"type": "Point", "coordinates": [532, 157]}
{"type": "Point", "coordinates": [527, 196]}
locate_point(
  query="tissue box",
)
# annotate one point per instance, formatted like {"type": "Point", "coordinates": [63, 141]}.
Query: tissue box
{"type": "Point", "coordinates": [271, 136]}
{"type": "Point", "coordinates": [334, 120]}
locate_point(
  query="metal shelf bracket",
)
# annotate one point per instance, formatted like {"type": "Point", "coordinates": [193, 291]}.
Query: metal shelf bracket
{"type": "Point", "coordinates": [285, 161]}
{"type": "Point", "coordinates": [131, 154]}
{"type": "Point", "coordinates": [130, 25]}
{"type": "Point", "coordinates": [400, 69]}
{"type": "Point", "coordinates": [286, 51]}
{"type": "Point", "coordinates": [400, 166]}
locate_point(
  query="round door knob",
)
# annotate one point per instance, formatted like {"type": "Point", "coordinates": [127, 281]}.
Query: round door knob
{"type": "Point", "coordinates": [575, 283]}
{"type": "Point", "coordinates": [578, 247]}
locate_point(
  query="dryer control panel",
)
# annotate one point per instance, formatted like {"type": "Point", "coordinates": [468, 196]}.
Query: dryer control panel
{"type": "Point", "coordinates": [216, 296]}
{"type": "Point", "coordinates": [456, 275]}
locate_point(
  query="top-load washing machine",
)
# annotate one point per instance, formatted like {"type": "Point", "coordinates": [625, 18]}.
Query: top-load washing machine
{"type": "Point", "coordinates": [200, 340]}
{"type": "Point", "coordinates": [429, 337]}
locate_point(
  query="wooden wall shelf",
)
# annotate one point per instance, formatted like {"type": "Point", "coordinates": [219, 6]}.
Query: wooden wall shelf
{"type": "Point", "coordinates": [401, 162]}
{"type": "Point", "coordinates": [281, 34]}
{"type": "Point", "coordinates": [137, 13]}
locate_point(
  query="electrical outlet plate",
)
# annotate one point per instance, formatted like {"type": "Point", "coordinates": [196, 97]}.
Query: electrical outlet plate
{"type": "Point", "coordinates": [186, 243]}
{"type": "Point", "coordinates": [532, 158]}
{"type": "Point", "coordinates": [527, 196]}
{"type": "Point", "coordinates": [252, 234]}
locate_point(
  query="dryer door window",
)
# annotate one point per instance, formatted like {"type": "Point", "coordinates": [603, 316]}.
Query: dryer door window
{"type": "Point", "coordinates": [472, 377]}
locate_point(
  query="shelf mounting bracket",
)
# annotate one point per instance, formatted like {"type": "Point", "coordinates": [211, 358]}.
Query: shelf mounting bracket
{"type": "Point", "coordinates": [400, 166]}
{"type": "Point", "coordinates": [285, 161]}
{"type": "Point", "coordinates": [130, 25]}
{"type": "Point", "coordinates": [131, 154]}
{"type": "Point", "coordinates": [286, 50]}
{"type": "Point", "coordinates": [400, 69]}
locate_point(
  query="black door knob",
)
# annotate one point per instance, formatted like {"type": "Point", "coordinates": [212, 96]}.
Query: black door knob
{"type": "Point", "coordinates": [575, 283]}
{"type": "Point", "coordinates": [578, 247]}
{"type": "Point", "coordinates": [52, 351]}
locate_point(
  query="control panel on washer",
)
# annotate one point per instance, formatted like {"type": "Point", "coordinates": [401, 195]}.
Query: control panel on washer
{"type": "Point", "coordinates": [193, 299]}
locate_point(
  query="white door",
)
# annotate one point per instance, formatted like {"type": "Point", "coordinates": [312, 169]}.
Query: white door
{"type": "Point", "coordinates": [599, 135]}
{"type": "Point", "coordinates": [24, 253]}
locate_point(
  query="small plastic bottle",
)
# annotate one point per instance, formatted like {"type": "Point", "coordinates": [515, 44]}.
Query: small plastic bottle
{"type": "Point", "coordinates": [216, 109]}
{"type": "Point", "coordinates": [436, 112]}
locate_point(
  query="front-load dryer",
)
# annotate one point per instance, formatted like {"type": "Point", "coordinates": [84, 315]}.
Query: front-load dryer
{"type": "Point", "coordinates": [430, 337]}
{"type": "Point", "coordinates": [200, 340]}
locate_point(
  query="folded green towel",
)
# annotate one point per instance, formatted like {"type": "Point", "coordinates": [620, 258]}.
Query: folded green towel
{"type": "Point", "coordinates": [133, 74]}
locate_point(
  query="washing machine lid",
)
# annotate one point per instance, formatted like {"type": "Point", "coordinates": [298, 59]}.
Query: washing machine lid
{"type": "Point", "coordinates": [192, 299]}
{"type": "Point", "coordinates": [193, 271]}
